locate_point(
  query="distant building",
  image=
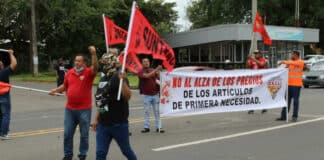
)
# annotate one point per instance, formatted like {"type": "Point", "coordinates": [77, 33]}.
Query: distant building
{"type": "Point", "coordinates": [211, 46]}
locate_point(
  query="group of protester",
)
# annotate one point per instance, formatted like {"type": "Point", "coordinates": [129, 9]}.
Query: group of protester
{"type": "Point", "coordinates": [295, 79]}
{"type": "Point", "coordinates": [111, 120]}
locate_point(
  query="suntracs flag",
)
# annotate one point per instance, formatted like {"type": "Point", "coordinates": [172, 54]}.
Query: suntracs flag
{"type": "Point", "coordinates": [132, 62]}
{"type": "Point", "coordinates": [114, 33]}
{"type": "Point", "coordinates": [117, 35]}
{"type": "Point", "coordinates": [259, 27]}
{"type": "Point", "coordinates": [145, 40]}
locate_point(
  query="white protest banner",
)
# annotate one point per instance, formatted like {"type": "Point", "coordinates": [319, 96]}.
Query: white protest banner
{"type": "Point", "coordinates": [202, 92]}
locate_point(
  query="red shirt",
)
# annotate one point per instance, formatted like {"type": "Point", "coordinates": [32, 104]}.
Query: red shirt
{"type": "Point", "coordinates": [148, 86]}
{"type": "Point", "coordinates": [79, 89]}
{"type": "Point", "coordinates": [254, 65]}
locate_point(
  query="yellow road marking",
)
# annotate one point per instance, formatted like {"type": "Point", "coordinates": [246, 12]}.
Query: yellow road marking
{"type": "Point", "coordinates": [57, 130]}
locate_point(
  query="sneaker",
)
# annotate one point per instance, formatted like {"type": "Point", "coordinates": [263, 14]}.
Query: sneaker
{"type": "Point", "coordinates": [67, 158]}
{"type": "Point", "coordinates": [264, 111]}
{"type": "Point", "coordinates": [281, 119]}
{"type": "Point", "coordinates": [82, 157]}
{"type": "Point", "coordinates": [251, 112]}
{"type": "Point", "coordinates": [5, 137]}
{"type": "Point", "coordinates": [294, 119]}
{"type": "Point", "coordinates": [160, 130]}
{"type": "Point", "coordinates": [145, 130]}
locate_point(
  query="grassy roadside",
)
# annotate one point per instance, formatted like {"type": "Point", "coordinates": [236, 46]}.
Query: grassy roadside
{"type": "Point", "coordinates": [48, 77]}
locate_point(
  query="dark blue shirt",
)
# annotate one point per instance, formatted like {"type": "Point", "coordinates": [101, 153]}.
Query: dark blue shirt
{"type": "Point", "coordinates": [4, 77]}
{"type": "Point", "coordinates": [61, 69]}
{"type": "Point", "coordinates": [4, 74]}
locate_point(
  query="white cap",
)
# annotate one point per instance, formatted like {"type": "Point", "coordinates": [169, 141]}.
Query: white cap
{"type": "Point", "coordinates": [227, 61]}
{"type": "Point", "coordinates": [256, 51]}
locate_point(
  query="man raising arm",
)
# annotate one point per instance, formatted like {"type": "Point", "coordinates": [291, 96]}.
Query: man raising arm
{"type": "Point", "coordinates": [5, 101]}
{"type": "Point", "coordinates": [78, 86]}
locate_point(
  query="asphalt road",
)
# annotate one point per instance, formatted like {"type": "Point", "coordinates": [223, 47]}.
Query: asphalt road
{"type": "Point", "coordinates": [37, 121]}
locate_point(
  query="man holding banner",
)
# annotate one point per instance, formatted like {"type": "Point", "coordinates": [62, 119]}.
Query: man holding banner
{"type": "Point", "coordinates": [78, 86]}
{"type": "Point", "coordinates": [5, 102]}
{"type": "Point", "coordinates": [257, 62]}
{"type": "Point", "coordinates": [295, 82]}
{"type": "Point", "coordinates": [149, 89]}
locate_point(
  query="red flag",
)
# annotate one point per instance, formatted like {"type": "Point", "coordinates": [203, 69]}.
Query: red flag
{"type": "Point", "coordinates": [4, 88]}
{"type": "Point", "coordinates": [258, 26]}
{"type": "Point", "coordinates": [132, 62]}
{"type": "Point", "coordinates": [145, 40]}
{"type": "Point", "coordinates": [114, 33]}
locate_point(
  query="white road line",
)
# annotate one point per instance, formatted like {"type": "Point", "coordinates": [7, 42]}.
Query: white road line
{"type": "Point", "coordinates": [301, 115]}
{"type": "Point", "coordinates": [235, 135]}
{"type": "Point", "coordinates": [311, 115]}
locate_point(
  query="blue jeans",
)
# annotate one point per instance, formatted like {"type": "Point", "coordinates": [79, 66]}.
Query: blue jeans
{"type": "Point", "coordinates": [293, 93]}
{"type": "Point", "coordinates": [153, 101]}
{"type": "Point", "coordinates": [5, 108]}
{"type": "Point", "coordinates": [120, 133]}
{"type": "Point", "coordinates": [72, 118]}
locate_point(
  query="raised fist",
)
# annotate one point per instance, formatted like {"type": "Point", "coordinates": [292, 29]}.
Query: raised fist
{"type": "Point", "coordinates": [10, 51]}
{"type": "Point", "coordinates": [92, 50]}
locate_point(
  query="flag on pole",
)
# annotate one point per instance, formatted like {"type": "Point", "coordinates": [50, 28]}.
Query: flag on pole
{"type": "Point", "coordinates": [258, 26]}
{"type": "Point", "coordinates": [132, 62]}
{"type": "Point", "coordinates": [4, 88]}
{"type": "Point", "coordinates": [114, 34]}
{"type": "Point", "coordinates": [117, 35]}
{"type": "Point", "coordinates": [145, 40]}
{"type": "Point", "coordinates": [130, 25]}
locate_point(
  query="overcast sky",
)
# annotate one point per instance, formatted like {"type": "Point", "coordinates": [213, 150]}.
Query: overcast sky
{"type": "Point", "coordinates": [183, 21]}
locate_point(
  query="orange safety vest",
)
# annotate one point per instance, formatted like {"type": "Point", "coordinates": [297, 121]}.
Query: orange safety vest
{"type": "Point", "coordinates": [295, 74]}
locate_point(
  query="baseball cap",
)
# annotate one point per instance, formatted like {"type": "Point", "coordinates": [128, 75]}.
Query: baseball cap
{"type": "Point", "coordinates": [256, 51]}
{"type": "Point", "coordinates": [105, 56]}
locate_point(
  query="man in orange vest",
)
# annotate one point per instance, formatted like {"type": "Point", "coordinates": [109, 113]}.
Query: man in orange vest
{"type": "Point", "coordinates": [295, 82]}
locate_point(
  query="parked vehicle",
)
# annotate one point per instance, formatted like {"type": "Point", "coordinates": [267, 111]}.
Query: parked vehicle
{"type": "Point", "coordinates": [309, 60]}
{"type": "Point", "coordinates": [315, 76]}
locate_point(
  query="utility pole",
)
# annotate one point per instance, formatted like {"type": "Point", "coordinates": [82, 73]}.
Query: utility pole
{"type": "Point", "coordinates": [254, 43]}
{"type": "Point", "coordinates": [297, 15]}
{"type": "Point", "coordinates": [34, 39]}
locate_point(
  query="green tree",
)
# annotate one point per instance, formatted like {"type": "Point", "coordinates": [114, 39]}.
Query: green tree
{"type": "Point", "coordinates": [204, 13]}
{"type": "Point", "coordinates": [67, 27]}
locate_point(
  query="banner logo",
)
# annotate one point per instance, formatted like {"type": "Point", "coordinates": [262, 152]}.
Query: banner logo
{"type": "Point", "coordinates": [274, 86]}
{"type": "Point", "coordinates": [165, 92]}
